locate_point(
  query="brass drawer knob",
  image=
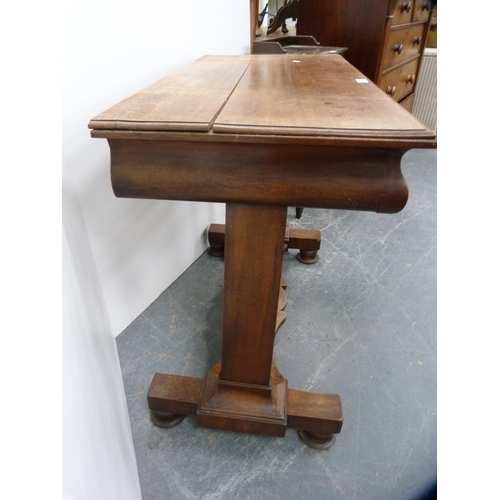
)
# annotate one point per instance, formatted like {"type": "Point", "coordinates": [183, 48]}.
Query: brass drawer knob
{"type": "Point", "coordinates": [398, 48]}
{"type": "Point", "coordinates": [417, 40]}
{"type": "Point", "coordinates": [391, 91]}
{"type": "Point", "coordinates": [411, 79]}
{"type": "Point", "coordinates": [406, 7]}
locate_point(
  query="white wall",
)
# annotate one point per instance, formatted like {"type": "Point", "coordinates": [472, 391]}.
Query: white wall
{"type": "Point", "coordinates": [111, 50]}
{"type": "Point", "coordinates": [118, 254]}
{"type": "Point", "coordinates": [98, 453]}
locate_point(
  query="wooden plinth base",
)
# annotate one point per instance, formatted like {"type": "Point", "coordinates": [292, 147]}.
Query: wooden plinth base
{"type": "Point", "coordinates": [243, 408]}
{"type": "Point", "coordinates": [307, 241]}
{"type": "Point", "coordinates": [245, 392]}
{"type": "Point", "coordinates": [252, 409]}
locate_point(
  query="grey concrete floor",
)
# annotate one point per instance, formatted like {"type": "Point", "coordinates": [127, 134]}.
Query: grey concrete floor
{"type": "Point", "coordinates": [361, 323]}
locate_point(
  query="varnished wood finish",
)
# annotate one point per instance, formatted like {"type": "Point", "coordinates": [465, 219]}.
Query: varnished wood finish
{"type": "Point", "coordinates": [244, 408]}
{"type": "Point", "coordinates": [343, 178]}
{"type": "Point", "coordinates": [267, 410]}
{"type": "Point", "coordinates": [380, 35]}
{"type": "Point", "coordinates": [307, 241]}
{"type": "Point", "coordinates": [293, 109]}
{"type": "Point", "coordinates": [254, 15]}
{"type": "Point", "coordinates": [401, 46]}
{"type": "Point", "coordinates": [174, 394]}
{"type": "Point", "coordinates": [334, 103]}
{"type": "Point", "coordinates": [315, 412]}
{"type": "Point", "coordinates": [355, 25]}
{"type": "Point", "coordinates": [317, 441]}
{"type": "Point", "coordinates": [209, 133]}
{"type": "Point", "coordinates": [400, 82]}
{"type": "Point", "coordinates": [216, 238]}
{"type": "Point", "coordinates": [281, 316]}
{"type": "Point", "coordinates": [407, 102]}
{"type": "Point", "coordinates": [251, 291]}
{"type": "Point", "coordinates": [187, 99]}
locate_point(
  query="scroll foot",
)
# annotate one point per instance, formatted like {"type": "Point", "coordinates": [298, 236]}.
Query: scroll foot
{"type": "Point", "coordinates": [166, 420]}
{"type": "Point", "coordinates": [317, 441]}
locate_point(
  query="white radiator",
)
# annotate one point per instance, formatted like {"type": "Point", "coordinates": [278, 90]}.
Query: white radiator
{"type": "Point", "coordinates": [425, 105]}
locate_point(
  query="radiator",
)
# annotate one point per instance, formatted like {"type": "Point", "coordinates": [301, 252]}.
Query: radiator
{"type": "Point", "coordinates": [425, 105]}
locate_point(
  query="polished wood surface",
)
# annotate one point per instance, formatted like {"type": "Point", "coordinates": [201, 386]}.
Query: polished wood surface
{"type": "Point", "coordinates": [346, 178]}
{"type": "Point", "coordinates": [256, 323]}
{"type": "Point", "coordinates": [400, 82]}
{"type": "Point", "coordinates": [263, 94]}
{"type": "Point", "coordinates": [338, 100]}
{"type": "Point", "coordinates": [254, 18]}
{"type": "Point", "coordinates": [307, 241]}
{"type": "Point", "coordinates": [208, 133]}
{"type": "Point", "coordinates": [381, 35]}
{"type": "Point", "coordinates": [355, 25]}
{"type": "Point", "coordinates": [188, 99]}
{"type": "Point", "coordinates": [249, 143]}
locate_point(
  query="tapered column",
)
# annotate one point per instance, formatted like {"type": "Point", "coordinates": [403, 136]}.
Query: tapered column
{"type": "Point", "coordinates": [252, 280]}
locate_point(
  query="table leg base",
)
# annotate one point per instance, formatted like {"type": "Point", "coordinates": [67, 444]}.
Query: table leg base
{"type": "Point", "coordinates": [216, 240]}
{"type": "Point", "coordinates": [307, 256]}
{"type": "Point", "coordinates": [317, 441]}
{"type": "Point", "coordinates": [244, 408]}
{"type": "Point", "coordinates": [166, 420]}
{"type": "Point", "coordinates": [307, 241]}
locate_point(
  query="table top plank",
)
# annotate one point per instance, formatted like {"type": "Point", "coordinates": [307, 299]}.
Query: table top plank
{"type": "Point", "coordinates": [313, 95]}
{"type": "Point", "coordinates": [269, 98]}
{"type": "Point", "coordinates": [187, 100]}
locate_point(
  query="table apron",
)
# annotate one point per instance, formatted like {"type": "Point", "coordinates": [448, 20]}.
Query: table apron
{"type": "Point", "coordinates": [348, 178]}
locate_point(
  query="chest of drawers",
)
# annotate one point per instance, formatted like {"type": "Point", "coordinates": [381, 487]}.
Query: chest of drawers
{"type": "Point", "coordinates": [385, 38]}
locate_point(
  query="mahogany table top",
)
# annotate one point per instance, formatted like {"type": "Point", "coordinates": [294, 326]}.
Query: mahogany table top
{"type": "Point", "coordinates": [291, 97]}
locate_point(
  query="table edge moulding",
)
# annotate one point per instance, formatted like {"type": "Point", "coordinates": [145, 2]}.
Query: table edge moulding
{"type": "Point", "coordinates": [259, 133]}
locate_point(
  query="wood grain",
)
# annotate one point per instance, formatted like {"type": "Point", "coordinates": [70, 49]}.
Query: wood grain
{"type": "Point", "coordinates": [313, 95]}
{"type": "Point", "coordinates": [252, 283]}
{"type": "Point", "coordinates": [175, 393]}
{"type": "Point", "coordinates": [285, 134]}
{"type": "Point", "coordinates": [188, 99]}
{"type": "Point", "coordinates": [370, 29]}
{"type": "Point", "coordinates": [265, 95]}
{"type": "Point", "coordinates": [320, 177]}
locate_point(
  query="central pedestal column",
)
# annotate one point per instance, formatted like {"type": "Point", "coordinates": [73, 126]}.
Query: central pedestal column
{"type": "Point", "coordinates": [243, 395]}
{"type": "Point", "coordinates": [245, 392]}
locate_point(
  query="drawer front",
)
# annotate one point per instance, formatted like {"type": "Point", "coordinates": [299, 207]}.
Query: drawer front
{"type": "Point", "coordinates": [421, 10]}
{"type": "Point", "coordinates": [407, 103]}
{"type": "Point", "coordinates": [402, 12]}
{"type": "Point", "coordinates": [402, 45]}
{"type": "Point", "coordinates": [400, 82]}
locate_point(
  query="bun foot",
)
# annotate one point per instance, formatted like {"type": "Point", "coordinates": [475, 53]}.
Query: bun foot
{"type": "Point", "coordinates": [308, 256]}
{"type": "Point", "coordinates": [165, 420]}
{"type": "Point", "coordinates": [215, 251]}
{"type": "Point", "coordinates": [317, 441]}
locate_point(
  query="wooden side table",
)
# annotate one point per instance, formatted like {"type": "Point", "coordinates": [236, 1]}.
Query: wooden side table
{"type": "Point", "coordinates": [259, 133]}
